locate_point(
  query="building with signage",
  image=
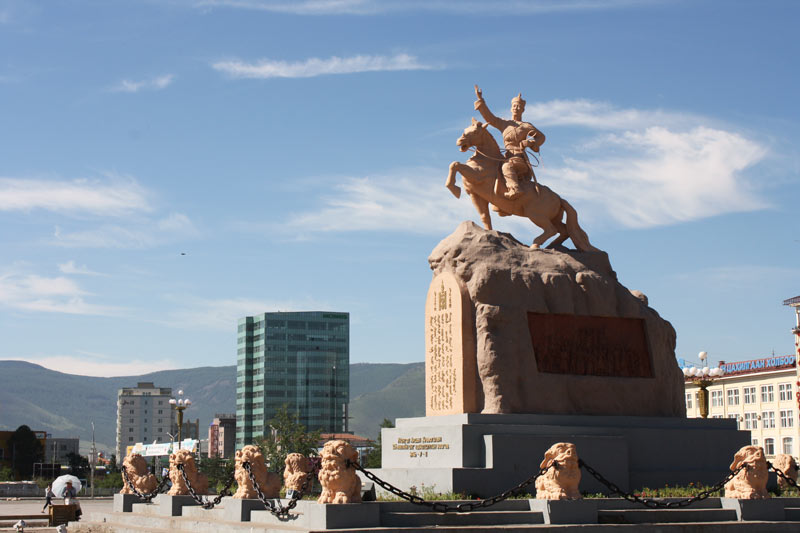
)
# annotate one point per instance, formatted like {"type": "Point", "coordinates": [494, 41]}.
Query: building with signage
{"type": "Point", "coordinates": [143, 415]}
{"type": "Point", "coordinates": [760, 395]}
{"type": "Point", "coordinates": [222, 436]}
{"type": "Point", "coordinates": [298, 359]}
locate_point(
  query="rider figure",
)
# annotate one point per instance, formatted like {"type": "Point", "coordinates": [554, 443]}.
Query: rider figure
{"type": "Point", "coordinates": [517, 135]}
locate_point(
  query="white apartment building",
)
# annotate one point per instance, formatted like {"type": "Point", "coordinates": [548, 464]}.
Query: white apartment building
{"type": "Point", "coordinates": [761, 395]}
{"type": "Point", "coordinates": [143, 415]}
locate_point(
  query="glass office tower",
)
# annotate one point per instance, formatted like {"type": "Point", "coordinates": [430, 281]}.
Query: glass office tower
{"type": "Point", "coordinates": [299, 359]}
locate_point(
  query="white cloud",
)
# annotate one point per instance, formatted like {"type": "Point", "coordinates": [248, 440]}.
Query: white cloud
{"type": "Point", "coordinates": [154, 84]}
{"type": "Point", "coordinates": [267, 68]}
{"type": "Point", "coordinates": [136, 234]}
{"type": "Point", "coordinates": [602, 115]}
{"type": "Point", "coordinates": [31, 292]}
{"type": "Point", "coordinates": [660, 176]}
{"type": "Point", "coordinates": [373, 7]}
{"type": "Point", "coordinates": [94, 365]}
{"type": "Point", "coordinates": [71, 268]}
{"type": "Point", "coordinates": [223, 314]}
{"type": "Point", "coordinates": [116, 196]}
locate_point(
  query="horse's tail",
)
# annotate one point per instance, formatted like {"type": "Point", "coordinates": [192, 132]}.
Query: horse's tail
{"type": "Point", "coordinates": [576, 233]}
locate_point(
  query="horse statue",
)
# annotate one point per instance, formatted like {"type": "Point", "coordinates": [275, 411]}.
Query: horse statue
{"type": "Point", "coordinates": [483, 181]}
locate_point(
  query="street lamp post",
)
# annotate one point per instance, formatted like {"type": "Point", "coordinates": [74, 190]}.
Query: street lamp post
{"type": "Point", "coordinates": [94, 459]}
{"type": "Point", "coordinates": [703, 377]}
{"type": "Point", "coordinates": [180, 404]}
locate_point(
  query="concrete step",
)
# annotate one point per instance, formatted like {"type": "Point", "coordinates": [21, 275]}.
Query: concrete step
{"type": "Point", "coordinates": [483, 518]}
{"type": "Point", "coordinates": [619, 503]}
{"type": "Point", "coordinates": [662, 516]}
{"type": "Point", "coordinates": [505, 505]}
{"type": "Point", "coordinates": [792, 513]}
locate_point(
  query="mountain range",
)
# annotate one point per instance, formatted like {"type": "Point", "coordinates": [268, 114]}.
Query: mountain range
{"type": "Point", "coordinates": [65, 405]}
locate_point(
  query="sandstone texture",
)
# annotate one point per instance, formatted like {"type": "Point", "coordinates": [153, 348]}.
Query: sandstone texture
{"type": "Point", "coordinates": [521, 295]}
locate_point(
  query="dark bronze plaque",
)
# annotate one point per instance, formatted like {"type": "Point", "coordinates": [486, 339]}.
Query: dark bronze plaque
{"type": "Point", "coordinates": [590, 345]}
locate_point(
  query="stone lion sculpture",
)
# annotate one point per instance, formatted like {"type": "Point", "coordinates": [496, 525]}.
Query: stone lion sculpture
{"type": "Point", "coordinates": [136, 468]}
{"type": "Point", "coordinates": [199, 481]}
{"type": "Point", "coordinates": [786, 464]}
{"type": "Point", "coordinates": [751, 482]}
{"type": "Point", "coordinates": [294, 475]}
{"type": "Point", "coordinates": [268, 482]}
{"type": "Point", "coordinates": [340, 484]}
{"type": "Point", "coordinates": [559, 483]}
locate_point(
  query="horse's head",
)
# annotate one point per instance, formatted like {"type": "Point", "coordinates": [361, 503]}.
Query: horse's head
{"type": "Point", "coordinates": [472, 135]}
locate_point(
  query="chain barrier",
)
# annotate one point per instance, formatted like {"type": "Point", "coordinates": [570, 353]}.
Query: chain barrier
{"type": "Point", "coordinates": [147, 497]}
{"type": "Point", "coordinates": [658, 504]}
{"type": "Point", "coordinates": [206, 504]}
{"type": "Point", "coordinates": [781, 474]}
{"type": "Point", "coordinates": [441, 507]}
{"type": "Point", "coordinates": [275, 507]}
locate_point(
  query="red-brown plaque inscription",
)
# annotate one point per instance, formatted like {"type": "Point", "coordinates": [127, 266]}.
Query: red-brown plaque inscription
{"type": "Point", "coordinates": [590, 345]}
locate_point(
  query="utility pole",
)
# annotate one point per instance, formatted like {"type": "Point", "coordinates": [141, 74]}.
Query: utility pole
{"type": "Point", "coordinates": [93, 459]}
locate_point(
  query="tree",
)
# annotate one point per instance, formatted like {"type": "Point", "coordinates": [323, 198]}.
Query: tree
{"type": "Point", "coordinates": [286, 435]}
{"type": "Point", "coordinates": [218, 470]}
{"type": "Point", "coordinates": [113, 468]}
{"type": "Point", "coordinates": [6, 474]}
{"type": "Point", "coordinates": [25, 450]}
{"type": "Point", "coordinates": [78, 465]}
{"type": "Point", "coordinates": [373, 459]}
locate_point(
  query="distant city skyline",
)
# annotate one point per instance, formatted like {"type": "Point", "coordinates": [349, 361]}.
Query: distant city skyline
{"type": "Point", "coordinates": [169, 167]}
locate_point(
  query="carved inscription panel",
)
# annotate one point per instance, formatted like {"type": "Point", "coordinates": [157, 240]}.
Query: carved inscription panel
{"type": "Point", "coordinates": [449, 348]}
{"type": "Point", "coordinates": [590, 345]}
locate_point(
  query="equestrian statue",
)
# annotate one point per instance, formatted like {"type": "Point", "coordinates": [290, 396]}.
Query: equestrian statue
{"type": "Point", "coordinates": [507, 181]}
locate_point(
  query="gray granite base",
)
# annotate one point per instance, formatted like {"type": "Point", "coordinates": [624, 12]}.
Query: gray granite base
{"type": "Point", "coordinates": [566, 511]}
{"type": "Point", "coordinates": [166, 505]}
{"type": "Point", "coordinates": [238, 510]}
{"type": "Point", "coordinates": [483, 455]}
{"type": "Point", "coordinates": [771, 509]}
{"type": "Point", "coordinates": [123, 503]}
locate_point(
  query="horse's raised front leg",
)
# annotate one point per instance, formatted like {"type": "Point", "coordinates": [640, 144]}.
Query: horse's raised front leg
{"type": "Point", "coordinates": [482, 206]}
{"type": "Point", "coordinates": [451, 179]}
{"type": "Point", "coordinates": [549, 231]}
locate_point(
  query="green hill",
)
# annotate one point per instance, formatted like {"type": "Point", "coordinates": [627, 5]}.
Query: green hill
{"type": "Point", "coordinates": [66, 404]}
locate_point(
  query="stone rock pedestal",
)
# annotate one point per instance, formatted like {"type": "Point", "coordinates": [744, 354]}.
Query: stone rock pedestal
{"type": "Point", "coordinates": [484, 455]}
{"type": "Point", "coordinates": [510, 329]}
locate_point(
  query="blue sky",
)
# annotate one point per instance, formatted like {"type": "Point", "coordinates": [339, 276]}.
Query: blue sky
{"type": "Point", "coordinates": [296, 152]}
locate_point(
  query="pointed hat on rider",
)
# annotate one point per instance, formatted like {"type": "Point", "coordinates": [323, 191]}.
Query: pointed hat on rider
{"type": "Point", "coordinates": [519, 99]}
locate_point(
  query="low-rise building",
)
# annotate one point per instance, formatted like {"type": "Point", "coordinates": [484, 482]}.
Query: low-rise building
{"type": "Point", "coordinates": [57, 449]}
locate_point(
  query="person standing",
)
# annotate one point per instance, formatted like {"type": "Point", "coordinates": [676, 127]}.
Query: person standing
{"type": "Point", "coordinates": [70, 496]}
{"type": "Point", "coordinates": [48, 496]}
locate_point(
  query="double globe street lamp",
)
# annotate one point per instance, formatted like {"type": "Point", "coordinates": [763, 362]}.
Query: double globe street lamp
{"type": "Point", "coordinates": [703, 377]}
{"type": "Point", "coordinates": [180, 404]}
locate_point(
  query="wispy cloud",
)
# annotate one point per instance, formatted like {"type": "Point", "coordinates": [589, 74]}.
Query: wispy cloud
{"type": "Point", "coordinates": [154, 84]}
{"type": "Point", "coordinates": [603, 115]}
{"type": "Point", "coordinates": [651, 168]}
{"type": "Point", "coordinates": [222, 314]}
{"type": "Point", "coordinates": [375, 7]}
{"type": "Point", "coordinates": [739, 277]}
{"type": "Point", "coordinates": [98, 365]}
{"type": "Point", "coordinates": [115, 196]}
{"type": "Point", "coordinates": [31, 292]}
{"type": "Point", "coordinates": [267, 68]}
{"type": "Point", "coordinates": [134, 234]}
{"type": "Point", "coordinates": [71, 268]}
